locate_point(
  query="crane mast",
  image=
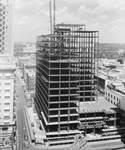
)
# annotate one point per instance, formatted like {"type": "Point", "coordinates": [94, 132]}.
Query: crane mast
{"type": "Point", "coordinates": [54, 16]}
{"type": "Point", "coordinates": [50, 17]}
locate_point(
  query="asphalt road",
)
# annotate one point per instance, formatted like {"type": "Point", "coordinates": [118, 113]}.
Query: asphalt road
{"type": "Point", "coordinates": [20, 104]}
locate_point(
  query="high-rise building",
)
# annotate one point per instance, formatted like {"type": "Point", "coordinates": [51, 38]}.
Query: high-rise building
{"type": "Point", "coordinates": [7, 75]}
{"type": "Point", "coordinates": [65, 69]}
{"type": "Point", "coordinates": [6, 26]}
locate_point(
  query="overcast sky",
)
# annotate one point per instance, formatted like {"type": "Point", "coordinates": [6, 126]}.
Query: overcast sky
{"type": "Point", "coordinates": [106, 16]}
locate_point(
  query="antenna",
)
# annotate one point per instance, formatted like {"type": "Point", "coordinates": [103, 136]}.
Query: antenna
{"type": "Point", "coordinates": [54, 16]}
{"type": "Point", "coordinates": [50, 17]}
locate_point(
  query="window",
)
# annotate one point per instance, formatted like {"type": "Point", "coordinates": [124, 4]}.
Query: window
{"type": "Point", "coordinates": [111, 95]}
{"type": "Point", "coordinates": [6, 122]}
{"type": "Point", "coordinates": [7, 103]}
{"type": "Point", "coordinates": [114, 97]}
{"type": "Point", "coordinates": [7, 83]}
{"type": "Point", "coordinates": [7, 90]}
{"type": "Point", "coordinates": [6, 110]}
{"type": "Point", "coordinates": [6, 117]}
{"type": "Point", "coordinates": [4, 129]}
{"type": "Point", "coordinates": [108, 94]}
{"type": "Point", "coordinates": [7, 97]}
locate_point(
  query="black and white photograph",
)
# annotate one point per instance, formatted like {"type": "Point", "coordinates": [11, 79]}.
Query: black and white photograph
{"type": "Point", "coordinates": [62, 74]}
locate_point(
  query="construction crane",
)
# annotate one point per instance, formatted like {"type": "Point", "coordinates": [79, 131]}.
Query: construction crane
{"type": "Point", "coordinates": [50, 17]}
{"type": "Point", "coordinates": [54, 16]}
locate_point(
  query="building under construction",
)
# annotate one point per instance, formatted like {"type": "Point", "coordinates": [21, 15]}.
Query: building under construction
{"type": "Point", "coordinates": [65, 81]}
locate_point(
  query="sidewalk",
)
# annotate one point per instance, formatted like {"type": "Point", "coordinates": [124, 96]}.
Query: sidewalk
{"type": "Point", "coordinates": [29, 118]}
{"type": "Point", "coordinates": [29, 115]}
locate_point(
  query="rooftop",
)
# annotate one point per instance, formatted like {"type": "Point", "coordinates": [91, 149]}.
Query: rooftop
{"type": "Point", "coordinates": [30, 64]}
{"type": "Point", "coordinates": [102, 76]}
{"type": "Point", "coordinates": [6, 63]}
{"type": "Point", "coordinates": [24, 58]}
{"type": "Point", "coordinates": [31, 73]}
{"type": "Point", "coordinates": [98, 106]}
{"type": "Point", "coordinates": [7, 67]}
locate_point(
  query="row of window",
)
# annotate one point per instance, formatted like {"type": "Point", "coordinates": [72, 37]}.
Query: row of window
{"type": "Point", "coordinates": [113, 97]}
{"type": "Point", "coordinates": [113, 102]}
{"type": "Point", "coordinates": [6, 110]}
{"type": "Point", "coordinates": [6, 90]}
{"type": "Point", "coordinates": [6, 97]}
{"type": "Point", "coordinates": [7, 83]}
{"type": "Point", "coordinates": [6, 103]}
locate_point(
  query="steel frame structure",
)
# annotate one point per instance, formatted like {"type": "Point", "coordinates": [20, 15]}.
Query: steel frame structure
{"type": "Point", "coordinates": [65, 76]}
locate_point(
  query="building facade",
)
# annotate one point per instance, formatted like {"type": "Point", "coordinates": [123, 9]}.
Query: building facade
{"type": "Point", "coordinates": [6, 26]}
{"type": "Point", "coordinates": [65, 69]}
{"type": "Point", "coordinates": [31, 81]}
{"type": "Point", "coordinates": [7, 87]}
{"type": "Point", "coordinates": [29, 78]}
{"type": "Point", "coordinates": [7, 75]}
{"type": "Point", "coordinates": [7, 101]}
{"type": "Point", "coordinates": [115, 95]}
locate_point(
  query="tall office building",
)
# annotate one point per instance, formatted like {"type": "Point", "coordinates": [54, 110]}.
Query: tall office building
{"type": "Point", "coordinates": [6, 26]}
{"type": "Point", "coordinates": [65, 69]}
{"type": "Point", "coordinates": [7, 75]}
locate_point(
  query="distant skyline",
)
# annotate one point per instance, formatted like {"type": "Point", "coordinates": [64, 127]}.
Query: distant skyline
{"type": "Point", "coordinates": [106, 16]}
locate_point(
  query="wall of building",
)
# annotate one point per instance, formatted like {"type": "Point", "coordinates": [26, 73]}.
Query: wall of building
{"type": "Point", "coordinates": [115, 97]}
{"type": "Point", "coordinates": [7, 91]}
{"type": "Point", "coordinates": [6, 25]}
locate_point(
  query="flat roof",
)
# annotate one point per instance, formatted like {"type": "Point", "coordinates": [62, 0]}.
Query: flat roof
{"type": "Point", "coordinates": [70, 24]}
{"type": "Point", "coordinates": [117, 83]}
{"type": "Point", "coordinates": [24, 58]}
{"type": "Point", "coordinates": [31, 73]}
{"type": "Point", "coordinates": [98, 106]}
{"type": "Point", "coordinates": [7, 67]}
{"type": "Point", "coordinates": [102, 76]}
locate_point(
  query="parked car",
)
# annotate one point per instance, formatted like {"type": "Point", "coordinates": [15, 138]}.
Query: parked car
{"type": "Point", "coordinates": [16, 95]}
{"type": "Point", "coordinates": [32, 124]}
{"type": "Point", "coordinates": [26, 144]}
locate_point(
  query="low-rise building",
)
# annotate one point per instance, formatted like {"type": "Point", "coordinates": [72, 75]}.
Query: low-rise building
{"type": "Point", "coordinates": [29, 78]}
{"type": "Point", "coordinates": [31, 81]}
{"type": "Point", "coordinates": [115, 94]}
{"type": "Point", "coordinates": [31, 65]}
{"type": "Point", "coordinates": [23, 60]}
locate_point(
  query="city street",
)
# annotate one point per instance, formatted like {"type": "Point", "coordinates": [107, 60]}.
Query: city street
{"type": "Point", "coordinates": [21, 124]}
